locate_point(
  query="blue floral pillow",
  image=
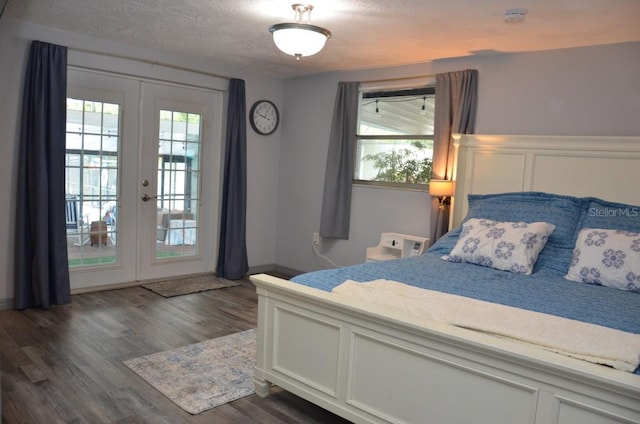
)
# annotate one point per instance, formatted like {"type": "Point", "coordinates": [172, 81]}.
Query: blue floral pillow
{"type": "Point", "coordinates": [509, 246]}
{"type": "Point", "coordinates": [608, 258]}
{"type": "Point", "coordinates": [565, 212]}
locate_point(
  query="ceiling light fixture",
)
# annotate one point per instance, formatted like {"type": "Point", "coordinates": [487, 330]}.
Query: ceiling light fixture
{"type": "Point", "coordinates": [300, 39]}
{"type": "Point", "coordinates": [515, 15]}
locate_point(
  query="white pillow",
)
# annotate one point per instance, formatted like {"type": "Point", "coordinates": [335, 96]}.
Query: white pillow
{"type": "Point", "coordinates": [509, 246]}
{"type": "Point", "coordinates": [608, 258]}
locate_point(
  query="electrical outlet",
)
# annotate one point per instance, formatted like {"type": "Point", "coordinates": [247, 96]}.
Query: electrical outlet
{"type": "Point", "coordinates": [316, 238]}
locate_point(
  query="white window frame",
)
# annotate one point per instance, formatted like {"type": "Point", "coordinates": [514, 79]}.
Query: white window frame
{"type": "Point", "coordinates": [392, 86]}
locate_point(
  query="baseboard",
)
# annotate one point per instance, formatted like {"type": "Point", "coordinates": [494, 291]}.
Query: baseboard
{"type": "Point", "coordinates": [287, 271]}
{"type": "Point", "coordinates": [6, 304]}
{"type": "Point", "coordinates": [104, 287]}
{"type": "Point", "coordinates": [280, 270]}
{"type": "Point", "coordinates": [261, 269]}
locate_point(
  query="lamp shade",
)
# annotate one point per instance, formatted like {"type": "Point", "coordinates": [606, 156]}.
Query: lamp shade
{"type": "Point", "coordinates": [440, 188]}
{"type": "Point", "coordinates": [299, 39]}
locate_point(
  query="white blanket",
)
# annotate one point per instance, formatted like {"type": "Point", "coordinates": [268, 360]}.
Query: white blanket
{"type": "Point", "coordinates": [589, 342]}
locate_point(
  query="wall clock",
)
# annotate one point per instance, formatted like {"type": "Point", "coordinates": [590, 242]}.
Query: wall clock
{"type": "Point", "coordinates": [264, 117]}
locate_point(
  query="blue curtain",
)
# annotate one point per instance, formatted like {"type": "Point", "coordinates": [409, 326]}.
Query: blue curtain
{"type": "Point", "coordinates": [41, 276]}
{"type": "Point", "coordinates": [232, 249]}
{"type": "Point", "coordinates": [336, 201]}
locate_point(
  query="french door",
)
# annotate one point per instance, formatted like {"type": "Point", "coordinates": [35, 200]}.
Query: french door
{"type": "Point", "coordinates": [178, 181]}
{"type": "Point", "coordinates": [142, 179]}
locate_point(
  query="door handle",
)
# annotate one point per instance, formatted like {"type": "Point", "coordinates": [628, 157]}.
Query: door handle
{"type": "Point", "coordinates": [145, 197]}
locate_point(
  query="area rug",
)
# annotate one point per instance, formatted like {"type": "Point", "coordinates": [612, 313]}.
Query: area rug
{"type": "Point", "coordinates": [181, 286]}
{"type": "Point", "coordinates": [204, 375]}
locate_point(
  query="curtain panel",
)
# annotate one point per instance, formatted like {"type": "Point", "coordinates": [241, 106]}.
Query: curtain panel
{"type": "Point", "coordinates": [336, 199]}
{"type": "Point", "coordinates": [41, 275]}
{"type": "Point", "coordinates": [455, 112]}
{"type": "Point", "coordinates": [233, 263]}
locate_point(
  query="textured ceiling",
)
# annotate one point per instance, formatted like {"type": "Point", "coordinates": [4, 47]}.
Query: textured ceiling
{"type": "Point", "coordinates": [366, 34]}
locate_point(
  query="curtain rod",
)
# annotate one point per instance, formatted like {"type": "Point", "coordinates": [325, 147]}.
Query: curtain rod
{"type": "Point", "coordinates": [400, 79]}
{"type": "Point", "coordinates": [415, 77]}
{"type": "Point", "coordinates": [151, 62]}
{"type": "Point", "coordinates": [396, 83]}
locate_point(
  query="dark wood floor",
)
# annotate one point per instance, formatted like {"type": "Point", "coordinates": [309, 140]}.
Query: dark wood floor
{"type": "Point", "coordinates": [65, 365]}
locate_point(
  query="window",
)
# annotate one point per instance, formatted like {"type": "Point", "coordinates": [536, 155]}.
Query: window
{"type": "Point", "coordinates": [91, 179]}
{"type": "Point", "coordinates": [395, 137]}
{"type": "Point", "coordinates": [178, 160]}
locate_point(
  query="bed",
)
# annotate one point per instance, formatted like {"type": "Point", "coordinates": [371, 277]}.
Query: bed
{"type": "Point", "coordinates": [370, 360]}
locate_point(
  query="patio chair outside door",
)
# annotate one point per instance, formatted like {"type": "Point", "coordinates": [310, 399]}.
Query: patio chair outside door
{"type": "Point", "coordinates": [76, 227]}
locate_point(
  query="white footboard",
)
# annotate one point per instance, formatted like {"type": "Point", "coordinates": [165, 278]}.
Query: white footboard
{"type": "Point", "coordinates": [377, 365]}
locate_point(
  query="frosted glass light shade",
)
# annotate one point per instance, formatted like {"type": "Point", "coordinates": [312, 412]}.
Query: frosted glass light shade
{"type": "Point", "coordinates": [299, 39]}
{"type": "Point", "coordinates": [440, 188]}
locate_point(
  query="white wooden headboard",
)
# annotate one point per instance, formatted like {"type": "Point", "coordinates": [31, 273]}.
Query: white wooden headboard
{"type": "Point", "coordinates": [604, 167]}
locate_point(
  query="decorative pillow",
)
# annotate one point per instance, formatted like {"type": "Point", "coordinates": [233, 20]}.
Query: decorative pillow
{"type": "Point", "coordinates": [607, 258]}
{"type": "Point", "coordinates": [509, 246]}
{"type": "Point", "coordinates": [565, 212]}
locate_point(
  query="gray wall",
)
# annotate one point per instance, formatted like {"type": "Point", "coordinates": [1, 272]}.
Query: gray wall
{"type": "Point", "coordinates": [263, 152]}
{"type": "Point", "coordinates": [581, 91]}
{"type": "Point", "coordinates": [589, 91]}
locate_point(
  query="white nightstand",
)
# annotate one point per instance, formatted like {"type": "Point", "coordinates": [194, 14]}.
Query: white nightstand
{"type": "Point", "coordinates": [395, 246]}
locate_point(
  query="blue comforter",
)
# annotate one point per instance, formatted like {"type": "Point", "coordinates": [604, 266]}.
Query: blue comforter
{"type": "Point", "coordinates": [543, 291]}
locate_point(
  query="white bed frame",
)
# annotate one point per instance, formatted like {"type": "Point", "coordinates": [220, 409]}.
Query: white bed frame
{"type": "Point", "coordinates": [372, 365]}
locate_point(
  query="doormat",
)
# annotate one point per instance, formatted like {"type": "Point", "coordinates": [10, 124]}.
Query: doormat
{"type": "Point", "coordinates": [182, 286]}
{"type": "Point", "coordinates": [204, 375]}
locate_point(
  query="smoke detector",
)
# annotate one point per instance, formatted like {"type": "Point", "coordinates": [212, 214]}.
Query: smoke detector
{"type": "Point", "coordinates": [515, 15]}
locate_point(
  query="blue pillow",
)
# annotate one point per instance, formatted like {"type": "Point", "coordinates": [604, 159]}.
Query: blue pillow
{"type": "Point", "coordinates": [565, 212]}
{"type": "Point", "coordinates": [612, 216]}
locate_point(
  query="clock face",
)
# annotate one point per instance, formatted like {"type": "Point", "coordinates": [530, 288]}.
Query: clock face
{"type": "Point", "coordinates": [264, 117]}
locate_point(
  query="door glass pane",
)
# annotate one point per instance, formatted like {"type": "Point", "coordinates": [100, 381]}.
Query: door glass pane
{"type": "Point", "coordinates": [91, 182]}
{"type": "Point", "coordinates": [178, 184]}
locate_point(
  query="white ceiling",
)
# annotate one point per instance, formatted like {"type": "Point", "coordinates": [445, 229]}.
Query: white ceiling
{"type": "Point", "coordinates": [366, 33]}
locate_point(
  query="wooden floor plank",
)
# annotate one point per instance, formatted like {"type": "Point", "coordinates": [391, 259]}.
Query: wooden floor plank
{"type": "Point", "coordinates": [64, 365]}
